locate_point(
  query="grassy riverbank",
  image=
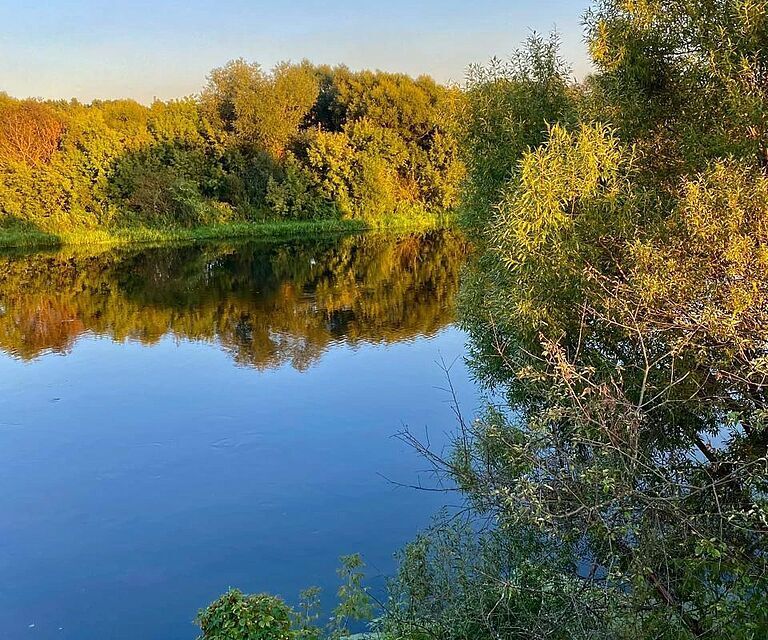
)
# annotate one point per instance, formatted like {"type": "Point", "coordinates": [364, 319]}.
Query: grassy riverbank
{"type": "Point", "coordinates": [31, 238]}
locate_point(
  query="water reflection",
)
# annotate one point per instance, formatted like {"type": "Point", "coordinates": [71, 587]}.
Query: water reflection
{"type": "Point", "coordinates": [266, 304]}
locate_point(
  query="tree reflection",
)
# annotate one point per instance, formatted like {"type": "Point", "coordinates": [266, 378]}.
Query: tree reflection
{"type": "Point", "coordinates": [266, 304]}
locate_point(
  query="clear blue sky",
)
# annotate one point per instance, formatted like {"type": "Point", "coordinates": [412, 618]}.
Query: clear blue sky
{"type": "Point", "coordinates": [141, 49]}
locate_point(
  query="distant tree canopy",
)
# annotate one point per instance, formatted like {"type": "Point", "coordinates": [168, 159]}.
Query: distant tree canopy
{"type": "Point", "coordinates": [262, 111]}
{"type": "Point", "coordinates": [299, 141]}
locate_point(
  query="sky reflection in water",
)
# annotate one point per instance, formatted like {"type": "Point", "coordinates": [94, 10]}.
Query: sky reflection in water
{"type": "Point", "coordinates": [176, 421]}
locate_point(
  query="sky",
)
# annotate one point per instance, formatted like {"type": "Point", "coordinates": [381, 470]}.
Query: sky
{"type": "Point", "coordinates": [164, 49]}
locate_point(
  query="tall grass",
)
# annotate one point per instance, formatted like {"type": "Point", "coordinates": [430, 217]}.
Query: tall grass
{"type": "Point", "coordinates": [20, 237]}
{"type": "Point", "coordinates": [23, 237]}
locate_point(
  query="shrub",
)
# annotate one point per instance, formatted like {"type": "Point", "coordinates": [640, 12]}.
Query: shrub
{"type": "Point", "coordinates": [162, 197]}
{"type": "Point", "coordinates": [237, 616]}
{"type": "Point", "coordinates": [295, 196]}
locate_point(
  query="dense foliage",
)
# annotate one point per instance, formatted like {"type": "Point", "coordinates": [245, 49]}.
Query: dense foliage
{"type": "Point", "coordinates": [235, 616]}
{"type": "Point", "coordinates": [620, 309]}
{"type": "Point", "coordinates": [297, 142]}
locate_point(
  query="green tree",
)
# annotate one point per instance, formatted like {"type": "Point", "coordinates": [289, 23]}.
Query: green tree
{"type": "Point", "coordinates": [507, 109]}
{"type": "Point", "coordinates": [618, 306]}
{"type": "Point", "coordinates": [260, 109]}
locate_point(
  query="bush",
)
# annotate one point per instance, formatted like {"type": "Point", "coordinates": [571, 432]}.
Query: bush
{"type": "Point", "coordinates": [236, 616]}
{"type": "Point", "coordinates": [295, 196]}
{"type": "Point", "coordinates": [458, 582]}
{"type": "Point", "coordinates": [29, 132]}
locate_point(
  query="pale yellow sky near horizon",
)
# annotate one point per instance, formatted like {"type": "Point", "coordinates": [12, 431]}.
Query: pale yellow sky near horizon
{"type": "Point", "coordinates": [90, 49]}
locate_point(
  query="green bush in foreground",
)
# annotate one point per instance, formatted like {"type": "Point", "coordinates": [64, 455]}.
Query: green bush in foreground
{"type": "Point", "coordinates": [235, 616]}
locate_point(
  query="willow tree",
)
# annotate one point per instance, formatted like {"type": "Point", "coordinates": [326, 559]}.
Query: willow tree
{"type": "Point", "coordinates": [620, 307]}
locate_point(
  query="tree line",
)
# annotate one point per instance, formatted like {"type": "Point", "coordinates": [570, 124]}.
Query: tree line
{"type": "Point", "coordinates": [298, 141]}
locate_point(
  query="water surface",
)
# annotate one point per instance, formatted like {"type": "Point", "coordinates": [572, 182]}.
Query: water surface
{"type": "Point", "coordinates": [178, 420]}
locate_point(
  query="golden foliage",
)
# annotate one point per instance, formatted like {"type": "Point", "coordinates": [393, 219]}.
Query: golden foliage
{"type": "Point", "coordinates": [29, 133]}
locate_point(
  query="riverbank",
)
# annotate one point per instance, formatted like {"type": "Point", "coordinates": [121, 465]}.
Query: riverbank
{"type": "Point", "coordinates": [19, 237]}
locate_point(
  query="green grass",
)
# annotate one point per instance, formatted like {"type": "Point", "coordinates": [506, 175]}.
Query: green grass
{"type": "Point", "coordinates": [30, 238]}
{"type": "Point", "coordinates": [25, 237]}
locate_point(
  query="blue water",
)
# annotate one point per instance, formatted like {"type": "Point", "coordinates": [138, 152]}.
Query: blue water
{"type": "Point", "coordinates": [141, 477]}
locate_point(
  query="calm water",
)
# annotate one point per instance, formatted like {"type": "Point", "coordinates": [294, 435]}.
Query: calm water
{"type": "Point", "coordinates": [176, 421]}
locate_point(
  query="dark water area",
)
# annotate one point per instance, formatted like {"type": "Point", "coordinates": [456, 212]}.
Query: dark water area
{"type": "Point", "coordinates": [178, 420]}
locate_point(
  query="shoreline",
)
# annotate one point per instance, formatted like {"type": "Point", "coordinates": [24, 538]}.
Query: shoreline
{"type": "Point", "coordinates": [20, 238]}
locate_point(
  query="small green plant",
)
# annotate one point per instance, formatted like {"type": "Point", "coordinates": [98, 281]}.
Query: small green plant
{"type": "Point", "coordinates": [236, 616]}
{"type": "Point", "coordinates": [307, 615]}
{"type": "Point", "coordinates": [354, 601]}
